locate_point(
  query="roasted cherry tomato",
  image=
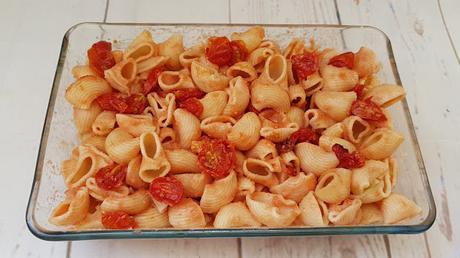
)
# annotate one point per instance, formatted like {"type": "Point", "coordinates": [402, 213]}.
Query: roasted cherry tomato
{"type": "Point", "coordinates": [368, 110]}
{"type": "Point", "coordinates": [111, 177]}
{"type": "Point", "coordinates": [184, 94]}
{"type": "Point", "coordinates": [304, 65]}
{"type": "Point", "coordinates": [348, 160]}
{"type": "Point", "coordinates": [240, 52]}
{"type": "Point", "coordinates": [291, 170]}
{"type": "Point", "coordinates": [301, 135]}
{"type": "Point", "coordinates": [100, 57]}
{"type": "Point", "coordinates": [192, 105]}
{"type": "Point", "coordinates": [346, 59]}
{"type": "Point", "coordinates": [216, 157]}
{"type": "Point", "coordinates": [167, 189]}
{"type": "Point", "coordinates": [219, 51]}
{"type": "Point", "coordinates": [359, 90]}
{"type": "Point", "coordinates": [152, 80]}
{"type": "Point", "coordinates": [117, 220]}
{"type": "Point", "coordinates": [121, 103]}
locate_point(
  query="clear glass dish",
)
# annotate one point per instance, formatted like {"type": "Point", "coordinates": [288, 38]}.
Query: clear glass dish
{"type": "Point", "coordinates": [59, 134]}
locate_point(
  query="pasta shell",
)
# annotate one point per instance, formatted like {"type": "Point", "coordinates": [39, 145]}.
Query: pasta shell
{"type": "Point", "coordinates": [370, 214]}
{"type": "Point", "coordinates": [278, 134]}
{"type": "Point", "coordinates": [154, 162]}
{"type": "Point", "coordinates": [313, 212]}
{"type": "Point", "coordinates": [186, 58]}
{"type": "Point", "coordinates": [269, 96]}
{"type": "Point", "coordinates": [173, 47]}
{"type": "Point", "coordinates": [258, 57]}
{"type": "Point", "coordinates": [338, 78]}
{"type": "Point", "coordinates": [194, 183]}
{"type": "Point", "coordinates": [263, 150]}
{"type": "Point", "coordinates": [136, 124]}
{"type": "Point", "coordinates": [187, 127]}
{"type": "Point", "coordinates": [317, 119]}
{"type": "Point", "coordinates": [335, 130]}
{"type": "Point", "coordinates": [163, 107]}
{"type": "Point", "coordinates": [242, 69]}
{"type": "Point", "coordinates": [362, 178]}
{"type": "Point", "coordinates": [295, 188]}
{"type": "Point", "coordinates": [92, 221]}
{"type": "Point", "coordinates": [295, 47]}
{"type": "Point", "coordinates": [246, 132]}
{"type": "Point", "coordinates": [207, 78]}
{"type": "Point", "coordinates": [104, 123]}
{"type": "Point", "coordinates": [84, 118]}
{"type": "Point", "coordinates": [152, 219]}
{"type": "Point", "coordinates": [334, 186]}
{"type": "Point", "coordinates": [267, 43]}
{"type": "Point", "coordinates": [235, 215]}
{"type": "Point", "coordinates": [396, 208]}
{"type": "Point", "coordinates": [213, 103]}
{"type": "Point", "coordinates": [79, 71]}
{"type": "Point", "coordinates": [326, 55]}
{"type": "Point", "coordinates": [186, 214]}
{"type": "Point", "coordinates": [260, 172]}
{"type": "Point", "coordinates": [94, 140]}
{"type": "Point", "coordinates": [366, 62]}
{"type": "Point", "coordinates": [132, 174]}
{"type": "Point", "coordinates": [251, 37]}
{"type": "Point", "coordinates": [219, 193]}
{"type": "Point", "coordinates": [174, 80]}
{"type": "Point", "coordinates": [297, 95]}
{"type": "Point", "coordinates": [312, 84]}
{"type": "Point", "coordinates": [121, 146]}
{"type": "Point", "coordinates": [121, 75]}
{"type": "Point", "coordinates": [314, 159]}
{"type": "Point", "coordinates": [381, 144]}
{"type": "Point", "coordinates": [142, 47]}
{"type": "Point", "coordinates": [182, 161]}
{"type": "Point", "coordinates": [217, 126]}
{"type": "Point", "coordinates": [72, 210]}
{"type": "Point", "coordinates": [238, 97]}
{"type": "Point", "coordinates": [132, 204]}
{"type": "Point", "coordinates": [335, 104]}
{"type": "Point", "coordinates": [151, 63]}
{"type": "Point", "coordinates": [386, 95]}
{"type": "Point", "coordinates": [100, 194]}
{"type": "Point", "coordinates": [85, 90]}
{"type": "Point", "coordinates": [245, 186]}
{"type": "Point", "coordinates": [327, 142]}
{"type": "Point", "coordinates": [275, 71]}
{"type": "Point", "coordinates": [272, 209]}
{"type": "Point", "coordinates": [355, 128]}
{"type": "Point", "coordinates": [345, 213]}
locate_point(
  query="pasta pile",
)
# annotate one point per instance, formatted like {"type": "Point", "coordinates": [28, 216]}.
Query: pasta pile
{"type": "Point", "coordinates": [230, 133]}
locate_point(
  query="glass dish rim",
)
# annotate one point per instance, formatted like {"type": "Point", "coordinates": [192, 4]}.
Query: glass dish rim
{"type": "Point", "coordinates": [208, 233]}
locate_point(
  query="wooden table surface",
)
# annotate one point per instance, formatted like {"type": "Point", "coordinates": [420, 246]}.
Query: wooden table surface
{"type": "Point", "coordinates": [426, 40]}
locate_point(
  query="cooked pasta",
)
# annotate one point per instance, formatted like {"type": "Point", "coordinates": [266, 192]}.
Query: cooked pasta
{"type": "Point", "coordinates": [231, 132]}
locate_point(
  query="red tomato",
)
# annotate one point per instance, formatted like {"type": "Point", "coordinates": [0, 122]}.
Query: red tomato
{"type": "Point", "coordinates": [346, 59]}
{"type": "Point", "coordinates": [304, 65]}
{"type": "Point", "coordinates": [117, 220]}
{"type": "Point", "coordinates": [301, 135]}
{"type": "Point", "coordinates": [184, 94]}
{"type": "Point", "coordinates": [100, 57]}
{"type": "Point", "coordinates": [348, 160]}
{"type": "Point", "coordinates": [219, 51]}
{"type": "Point", "coordinates": [121, 103]}
{"type": "Point", "coordinates": [368, 110]}
{"type": "Point", "coordinates": [168, 190]}
{"type": "Point", "coordinates": [192, 105]}
{"type": "Point", "coordinates": [111, 177]}
{"type": "Point", "coordinates": [216, 157]}
{"type": "Point", "coordinates": [240, 52]}
{"type": "Point", "coordinates": [291, 170]}
{"type": "Point", "coordinates": [152, 80]}
{"type": "Point", "coordinates": [358, 89]}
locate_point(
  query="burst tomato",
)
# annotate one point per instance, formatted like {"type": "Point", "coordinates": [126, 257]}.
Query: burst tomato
{"type": "Point", "coordinates": [301, 135]}
{"type": "Point", "coordinates": [216, 157]}
{"type": "Point", "coordinates": [291, 170]}
{"type": "Point", "coordinates": [121, 103]}
{"type": "Point", "coordinates": [100, 57]}
{"type": "Point", "coordinates": [348, 160]}
{"type": "Point", "coordinates": [359, 90]}
{"type": "Point", "coordinates": [368, 110]}
{"type": "Point", "coordinates": [111, 177]}
{"type": "Point", "coordinates": [152, 80]}
{"type": "Point", "coordinates": [346, 59]}
{"type": "Point", "coordinates": [192, 105]}
{"type": "Point", "coordinates": [304, 65]}
{"type": "Point", "coordinates": [219, 51]}
{"type": "Point", "coordinates": [167, 189]}
{"type": "Point", "coordinates": [117, 220]}
{"type": "Point", "coordinates": [184, 94]}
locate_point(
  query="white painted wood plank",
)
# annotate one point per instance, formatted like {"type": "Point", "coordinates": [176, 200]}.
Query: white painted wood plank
{"type": "Point", "coordinates": [430, 73]}
{"type": "Point", "coordinates": [246, 11]}
{"type": "Point", "coordinates": [167, 12]}
{"type": "Point", "coordinates": [30, 41]}
{"type": "Point", "coordinates": [450, 10]}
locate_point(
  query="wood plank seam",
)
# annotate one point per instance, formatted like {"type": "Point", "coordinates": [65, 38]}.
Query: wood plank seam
{"type": "Point", "coordinates": [107, 3]}
{"type": "Point", "coordinates": [451, 42]}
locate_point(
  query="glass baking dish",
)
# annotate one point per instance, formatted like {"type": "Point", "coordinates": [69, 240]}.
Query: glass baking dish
{"type": "Point", "coordinates": [59, 135]}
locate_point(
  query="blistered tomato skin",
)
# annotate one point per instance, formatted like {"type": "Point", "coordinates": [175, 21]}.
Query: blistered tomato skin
{"type": "Point", "coordinates": [223, 52]}
{"type": "Point", "coordinates": [346, 59]}
{"type": "Point", "coordinates": [121, 103]}
{"type": "Point", "coordinates": [100, 57]}
{"type": "Point", "coordinates": [167, 189]}
{"type": "Point", "coordinates": [216, 157]}
{"type": "Point", "coordinates": [368, 110]}
{"type": "Point", "coordinates": [346, 159]}
{"type": "Point", "coordinates": [359, 90]}
{"type": "Point", "coordinates": [117, 220]}
{"type": "Point", "coordinates": [304, 65]}
{"type": "Point", "coordinates": [184, 94]}
{"type": "Point", "coordinates": [111, 177]}
{"type": "Point", "coordinates": [192, 105]}
{"type": "Point", "coordinates": [301, 135]}
{"type": "Point", "coordinates": [151, 84]}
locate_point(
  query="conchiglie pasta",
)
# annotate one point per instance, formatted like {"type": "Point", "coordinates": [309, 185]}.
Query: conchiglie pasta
{"type": "Point", "coordinates": [72, 210]}
{"type": "Point", "coordinates": [186, 58]}
{"type": "Point", "coordinates": [297, 95]}
{"type": "Point", "coordinates": [141, 48]}
{"type": "Point", "coordinates": [269, 96]}
{"type": "Point", "coordinates": [386, 95]}
{"type": "Point", "coordinates": [219, 193]}
{"type": "Point", "coordinates": [85, 90]}
{"type": "Point", "coordinates": [314, 159]}
{"type": "Point", "coordinates": [275, 71]}
{"type": "Point", "coordinates": [317, 119]}
{"type": "Point", "coordinates": [187, 127]}
{"type": "Point", "coordinates": [381, 144]}
{"type": "Point", "coordinates": [100, 194]}
{"type": "Point", "coordinates": [258, 57]}
{"type": "Point", "coordinates": [251, 37]}
{"type": "Point", "coordinates": [132, 204]}
{"type": "Point", "coordinates": [151, 218]}
{"type": "Point", "coordinates": [194, 183]}
{"type": "Point", "coordinates": [173, 47]}
{"type": "Point", "coordinates": [355, 129]}
{"type": "Point", "coordinates": [242, 69]}
{"type": "Point", "coordinates": [335, 130]}
{"type": "Point", "coordinates": [295, 188]}
{"type": "Point", "coordinates": [366, 62]}
{"type": "Point", "coordinates": [296, 115]}
{"type": "Point", "coordinates": [121, 146]}
{"type": "Point", "coordinates": [82, 70]}
{"type": "Point", "coordinates": [94, 140]}
{"type": "Point", "coordinates": [217, 126]}
{"type": "Point", "coordinates": [260, 172]}
{"type": "Point", "coordinates": [295, 47]}
{"type": "Point", "coordinates": [246, 132]}
{"type": "Point", "coordinates": [132, 174]}
{"type": "Point", "coordinates": [207, 78]}
{"type": "Point", "coordinates": [263, 150]}
{"type": "Point", "coordinates": [213, 103]}
{"type": "Point", "coordinates": [122, 75]}
{"type": "Point", "coordinates": [104, 123]}
{"type": "Point", "coordinates": [396, 208]}
{"type": "Point", "coordinates": [335, 104]}
{"type": "Point", "coordinates": [84, 118]}
{"type": "Point", "coordinates": [136, 124]}
{"type": "Point", "coordinates": [186, 214]}
{"type": "Point", "coordinates": [174, 80]}
{"type": "Point", "coordinates": [346, 213]}
{"type": "Point", "coordinates": [370, 214]}
{"type": "Point", "coordinates": [163, 107]}
{"type": "Point", "coordinates": [312, 84]}
{"type": "Point", "coordinates": [182, 161]}
{"type": "Point", "coordinates": [238, 97]}
{"type": "Point", "coordinates": [334, 186]}
{"type": "Point", "coordinates": [154, 162]}
{"type": "Point", "coordinates": [235, 215]}
{"type": "Point", "coordinates": [327, 142]}
{"type": "Point", "coordinates": [272, 210]}
{"type": "Point", "coordinates": [338, 78]}
{"type": "Point", "coordinates": [313, 212]}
